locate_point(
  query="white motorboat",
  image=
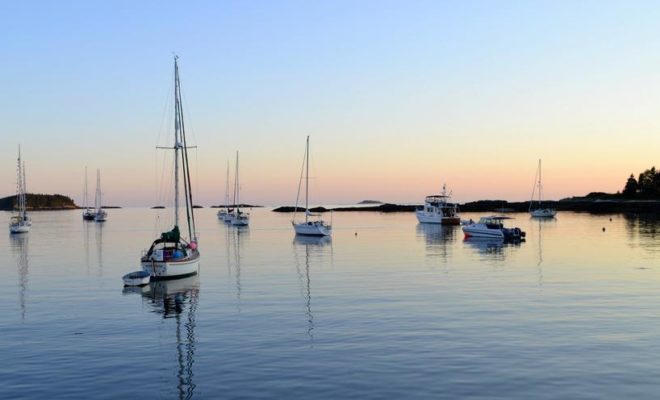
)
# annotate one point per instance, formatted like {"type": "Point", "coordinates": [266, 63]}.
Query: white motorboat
{"type": "Point", "coordinates": [172, 256]}
{"type": "Point", "coordinates": [20, 223]}
{"type": "Point", "coordinates": [100, 215]}
{"type": "Point", "coordinates": [438, 210]}
{"type": "Point", "coordinates": [238, 217]}
{"type": "Point", "coordinates": [539, 211]}
{"type": "Point", "coordinates": [137, 278]}
{"type": "Point", "coordinates": [492, 227]}
{"type": "Point", "coordinates": [316, 227]}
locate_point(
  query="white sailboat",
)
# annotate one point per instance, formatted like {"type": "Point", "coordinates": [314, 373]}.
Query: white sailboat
{"type": "Point", "coordinates": [100, 215]}
{"type": "Point", "coordinates": [172, 256]}
{"type": "Point", "coordinates": [238, 217]}
{"type": "Point", "coordinates": [88, 214]}
{"type": "Point", "coordinates": [539, 211]}
{"type": "Point", "coordinates": [310, 227]}
{"type": "Point", "coordinates": [20, 223]}
{"type": "Point", "coordinates": [223, 213]}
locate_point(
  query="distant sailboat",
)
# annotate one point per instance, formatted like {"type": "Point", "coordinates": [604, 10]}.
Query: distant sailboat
{"type": "Point", "coordinates": [20, 223]}
{"type": "Point", "coordinates": [100, 215]}
{"type": "Point", "coordinates": [88, 214]}
{"type": "Point", "coordinates": [238, 217]}
{"type": "Point", "coordinates": [310, 228]}
{"type": "Point", "coordinates": [223, 213]}
{"type": "Point", "coordinates": [539, 211]}
{"type": "Point", "coordinates": [171, 256]}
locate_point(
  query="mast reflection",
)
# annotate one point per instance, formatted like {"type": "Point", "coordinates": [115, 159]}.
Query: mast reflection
{"type": "Point", "coordinates": [235, 241]}
{"type": "Point", "coordinates": [176, 300]}
{"type": "Point", "coordinates": [19, 247]}
{"type": "Point", "coordinates": [312, 245]}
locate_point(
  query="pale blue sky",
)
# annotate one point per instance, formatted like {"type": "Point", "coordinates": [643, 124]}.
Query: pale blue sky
{"type": "Point", "coordinates": [399, 96]}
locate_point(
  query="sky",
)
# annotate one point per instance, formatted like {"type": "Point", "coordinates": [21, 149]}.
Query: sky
{"type": "Point", "coordinates": [398, 97]}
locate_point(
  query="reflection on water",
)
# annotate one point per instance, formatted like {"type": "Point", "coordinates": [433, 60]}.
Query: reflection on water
{"type": "Point", "coordinates": [19, 247]}
{"type": "Point", "coordinates": [99, 247]}
{"type": "Point", "coordinates": [235, 238]}
{"type": "Point", "coordinates": [643, 231]}
{"type": "Point", "coordinates": [312, 245]}
{"type": "Point", "coordinates": [438, 239]}
{"type": "Point", "coordinates": [176, 299]}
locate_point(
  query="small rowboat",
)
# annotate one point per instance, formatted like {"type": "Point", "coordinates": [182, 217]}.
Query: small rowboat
{"type": "Point", "coordinates": [137, 278]}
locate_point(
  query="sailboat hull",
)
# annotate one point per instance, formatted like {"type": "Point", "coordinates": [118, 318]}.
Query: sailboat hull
{"type": "Point", "coordinates": [543, 213]}
{"type": "Point", "coordinates": [19, 228]}
{"type": "Point", "coordinates": [312, 229]}
{"type": "Point", "coordinates": [171, 269]}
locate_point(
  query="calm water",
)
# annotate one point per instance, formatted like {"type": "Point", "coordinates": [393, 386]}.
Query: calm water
{"type": "Point", "coordinates": [398, 311]}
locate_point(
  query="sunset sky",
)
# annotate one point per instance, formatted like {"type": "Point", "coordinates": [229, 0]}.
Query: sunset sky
{"type": "Point", "coordinates": [398, 96]}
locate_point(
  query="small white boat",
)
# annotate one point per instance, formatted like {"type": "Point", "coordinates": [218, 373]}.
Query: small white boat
{"type": "Point", "coordinates": [540, 211]}
{"type": "Point", "coordinates": [310, 228]}
{"type": "Point", "coordinates": [438, 210]}
{"type": "Point", "coordinates": [100, 215]}
{"type": "Point", "coordinates": [20, 223]}
{"type": "Point", "coordinates": [492, 227]}
{"type": "Point", "coordinates": [137, 278]}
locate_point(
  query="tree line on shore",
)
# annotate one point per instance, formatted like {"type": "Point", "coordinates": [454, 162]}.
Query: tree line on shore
{"type": "Point", "coordinates": [646, 186]}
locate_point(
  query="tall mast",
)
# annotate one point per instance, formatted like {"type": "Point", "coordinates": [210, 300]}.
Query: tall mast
{"type": "Point", "coordinates": [85, 194]}
{"type": "Point", "coordinates": [24, 192]}
{"type": "Point", "coordinates": [98, 202]}
{"type": "Point", "coordinates": [540, 187]}
{"type": "Point", "coordinates": [307, 180]}
{"type": "Point", "coordinates": [237, 200]}
{"type": "Point", "coordinates": [227, 187]}
{"type": "Point", "coordinates": [177, 142]}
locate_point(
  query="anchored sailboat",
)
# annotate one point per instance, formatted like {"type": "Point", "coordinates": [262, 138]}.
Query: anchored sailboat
{"type": "Point", "coordinates": [238, 217]}
{"type": "Point", "coordinates": [223, 213]}
{"type": "Point", "coordinates": [539, 211]}
{"type": "Point", "coordinates": [88, 214]}
{"type": "Point", "coordinates": [100, 215]}
{"type": "Point", "coordinates": [311, 228]}
{"type": "Point", "coordinates": [20, 223]}
{"type": "Point", "coordinates": [172, 256]}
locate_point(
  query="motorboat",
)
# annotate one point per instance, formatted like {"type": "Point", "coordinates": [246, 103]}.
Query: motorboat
{"type": "Point", "coordinates": [493, 227]}
{"type": "Point", "coordinates": [438, 210]}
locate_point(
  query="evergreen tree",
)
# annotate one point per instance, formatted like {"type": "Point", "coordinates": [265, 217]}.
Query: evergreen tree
{"type": "Point", "coordinates": [631, 188]}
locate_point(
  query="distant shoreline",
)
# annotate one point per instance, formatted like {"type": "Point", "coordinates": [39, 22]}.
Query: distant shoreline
{"type": "Point", "coordinates": [498, 206]}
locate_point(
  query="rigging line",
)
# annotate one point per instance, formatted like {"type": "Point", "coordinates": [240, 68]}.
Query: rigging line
{"type": "Point", "coordinates": [186, 170]}
{"type": "Point", "coordinates": [302, 171]}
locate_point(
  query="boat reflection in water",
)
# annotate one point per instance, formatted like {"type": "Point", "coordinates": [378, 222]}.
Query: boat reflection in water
{"type": "Point", "coordinates": [438, 239]}
{"type": "Point", "coordinates": [314, 247]}
{"type": "Point", "coordinates": [19, 247]}
{"type": "Point", "coordinates": [490, 248]}
{"type": "Point", "coordinates": [176, 300]}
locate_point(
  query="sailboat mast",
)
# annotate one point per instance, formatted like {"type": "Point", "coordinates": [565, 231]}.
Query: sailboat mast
{"type": "Point", "coordinates": [177, 142]}
{"type": "Point", "coordinates": [237, 200]}
{"type": "Point", "coordinates": [85, 194]}
{"type": "Point", "coordinates": [227, 187]}
{"type": "Point", "coordinates": [181, 144]}
{"type": "Point", "coordinates": [540, 187]}
{"type": "Point", "coordinates": [97, 198]}
{"type": "Point", "coordinates": [24, 192]}
{"type": "Point", "coordinates": [307, 180]}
